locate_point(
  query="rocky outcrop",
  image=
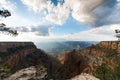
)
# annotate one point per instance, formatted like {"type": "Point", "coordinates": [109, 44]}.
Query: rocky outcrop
{"type": "Point", "coordinates": [110, 45]}
{"type": "Point", "coordinates": [15, 56]}
{"type": "Point", "coordinates": [32, 73]}
{"type": "Point", "coordinates": [12, 53]}
{"type": "Point", "coordinates": [84, 76]}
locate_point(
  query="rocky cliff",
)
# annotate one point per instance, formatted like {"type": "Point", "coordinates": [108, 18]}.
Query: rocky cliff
{"type": "Point", "coordinates": [15, 56]}
{"type": "Point", "coordinates": [4, 46]}
{"type": "Point", "coordinates": [101, 60]}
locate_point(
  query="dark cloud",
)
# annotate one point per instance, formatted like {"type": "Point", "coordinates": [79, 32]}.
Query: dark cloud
{"type": "Point", "coordinates": [106, 13]}
{"type": "Point", "coordinates": [41, 31]}
{"type": "Point", "coordinates": [38, 30]}
{"type": "Point", "coordinates": [96, 13]}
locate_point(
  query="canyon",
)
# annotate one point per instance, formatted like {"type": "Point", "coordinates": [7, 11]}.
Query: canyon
{"type": "Point", "coordinates": [101, 60]}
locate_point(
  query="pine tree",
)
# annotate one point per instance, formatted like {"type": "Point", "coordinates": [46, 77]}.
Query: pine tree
{"type": "Point", "coordinates": [5, 13]}
{"type": "Point", "coordinates": [117, 31]}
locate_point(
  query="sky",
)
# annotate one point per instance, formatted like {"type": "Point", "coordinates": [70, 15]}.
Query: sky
{"type": "Point", "coordinates": [64, 20]}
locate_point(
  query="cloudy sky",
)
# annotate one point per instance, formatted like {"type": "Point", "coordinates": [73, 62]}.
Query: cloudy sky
{"type": "Point", "coordinates": [43, 20]}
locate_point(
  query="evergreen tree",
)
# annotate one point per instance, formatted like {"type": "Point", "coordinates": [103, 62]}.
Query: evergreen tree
{"type": "Point", "coordinates": [5, 13]}
{"type": "Point", "coordinates": [117, 31]}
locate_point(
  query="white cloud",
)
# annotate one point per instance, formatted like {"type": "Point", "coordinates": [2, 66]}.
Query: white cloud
{"type": "Point", "coordinates": [22, 24]}
{"type": "Point", "coordinates": [16, 20]}
{"type": "Point", "coordinates": [58, 15]}
{"type": "Point", "coordinates": [82, 9]}
{"type": "Point", "coordinates": [95, 34]}
{"type": "Point", "coordinates": [7, 5]}
{"type": "Point", "coordinates": [27, 36]}
{"type": "Point", "coordinates": [91, 12]}
{"type": "Point", "coordinates": [55, 14]}
{"type": "Point", "coordinates": [36, 5]}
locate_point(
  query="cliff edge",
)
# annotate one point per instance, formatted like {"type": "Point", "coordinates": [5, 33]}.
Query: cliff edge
{"type": "Point", "coordinates": [101, 60]}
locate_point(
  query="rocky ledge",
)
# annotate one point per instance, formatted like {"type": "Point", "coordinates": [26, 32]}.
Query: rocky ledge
{"type": "Point", "coordinates": [31, 73]}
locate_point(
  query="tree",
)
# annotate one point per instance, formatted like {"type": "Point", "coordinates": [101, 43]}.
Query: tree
{"type": "Point", "coordinates": [117, 31]}
{"type": "Point", "coordinates": [5, 13]}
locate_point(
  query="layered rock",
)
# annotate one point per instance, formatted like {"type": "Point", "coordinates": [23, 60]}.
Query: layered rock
{"type": "Point", "coordinates": [15, 56]}
{"type": "Point", "coordinates": [90, 59]}
{"type": "Point", "coordinates": [4, 46]}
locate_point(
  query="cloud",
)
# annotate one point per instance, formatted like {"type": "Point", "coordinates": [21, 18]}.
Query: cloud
{"type": "Point", "coordinates": [39, 30]}
{"type": "Point", "coordinates": [107, 14]}
{"type": "Point", "coordinates": [82, 9]}
{"type": "Point", "coordinates": [97, 34]}
{"type": "Point", "coordinates": [54, 14]}
{"type": "Point", "coordinates": [36, 5]}
{"type": "Point", "coordinates": [6, 4]}
{"type": "Point", "coordinates": [95, 12]}
{"type": "Point", "coordinates": [58, 15]}
{"type": "Point", "coordinates": [22, 24]}
{"type": "Point", "coordinates": [91, 12]}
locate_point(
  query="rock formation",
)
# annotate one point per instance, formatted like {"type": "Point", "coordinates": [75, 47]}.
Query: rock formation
{"type": "Point", "coordinates": [15, 56]}
{"type": "Point", "coordinates": [105, 55]}
{"type": "Point", "coordinates": [29, 73]}
{"type": "Point", "coordinates": [23, 60]}
{"type": "Point", "coordinates": [84, 76]}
